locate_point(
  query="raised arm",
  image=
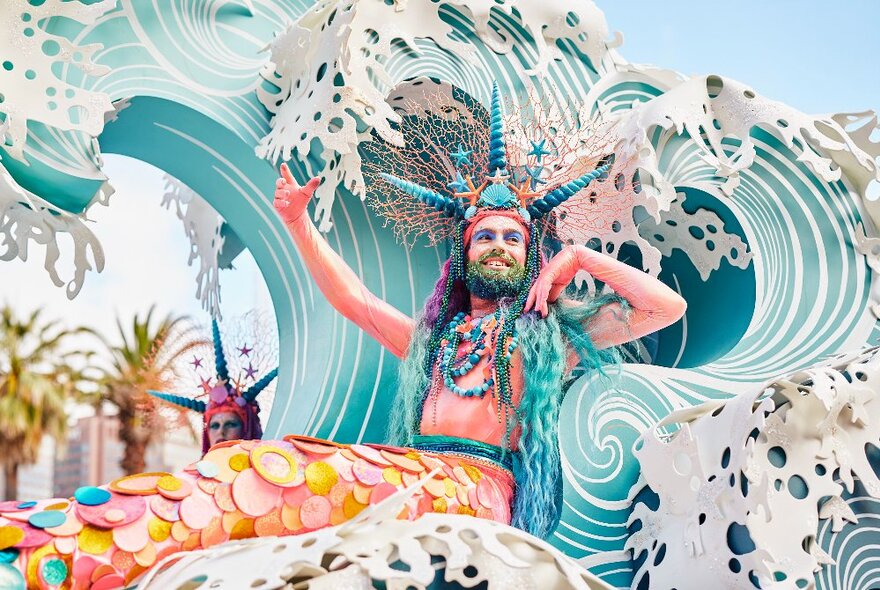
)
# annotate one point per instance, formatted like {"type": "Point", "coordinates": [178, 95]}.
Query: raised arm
{"type": "Point", "coordinates": [653, 305]}
{"type": "Point", "coordinates": [339, 284]}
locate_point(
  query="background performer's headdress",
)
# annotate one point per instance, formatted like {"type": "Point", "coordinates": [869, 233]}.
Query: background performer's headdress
{"type": "Point", "coordinates": [224, 395]}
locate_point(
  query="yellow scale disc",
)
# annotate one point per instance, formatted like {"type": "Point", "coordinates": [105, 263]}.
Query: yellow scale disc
{"type": "Point", "coordinates": [94, 540]}
{"type": "Point", "coordinates": [467, 510]}
{"type": "Point", "coordinates": [290, 517]}
{"type": "Point", "coordinates": [472, 472]}
{"type": "Point", "coordinates": [440, 505]}
{"type": "Point", "coordinates": [169, 483]}
{"type": "Point", "coordinates": [268, 462]}
{"type": "Point", "coordinates": [243, 529]}
{"type": "Point", "coordinates": [239, 462]}
{"type": "Point", "coordinates": [159, 529]}
{"type": "Point", "coordinates": [351, 507]}
{"type": "Point", "coordinates": [392, 476]}
{"type": "Point", "coordinates": [321, 477]}
{"type": "Point", "coordinates": [450, 487]}
{"type": "Point", "coordinates": [59, 506]}
{"type": "Point", "coordinates": [10, 536]}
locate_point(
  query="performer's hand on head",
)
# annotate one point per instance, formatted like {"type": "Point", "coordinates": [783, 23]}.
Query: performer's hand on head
{"type": "Point", "coordinates": [291, 199]}
{"type": "Point", "coordinates": [552, 280]}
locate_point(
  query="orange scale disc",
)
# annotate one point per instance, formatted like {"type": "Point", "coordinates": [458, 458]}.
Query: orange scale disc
{"type": "Point", "coordinates": [65, 545]}
{"type": "Point", "coordinates": [315, 512]}
{"type": "Point", "coordinates": [435, 487]}
{"type": "Point", "coordinates": [179, 531]}
{"type": "Point", "coordinates": [122, 560]}
{"type": "Point", "coordinates": [213, 534]}
{"type": "Point", "coordinates": [269, 525]}
{"type": "Point", "coordinates": [247, 445]}
{"type": "Point", "coordinates": [370, 454]}
{"type": "Point", "coordinates": [314, 448]}
{"type": "Point", "coordinates": [362, 493]}
{"type": "Point", "coordinates": [133, 537]}
{"type": "Point", "coordinates": [461, 475]}
{"type": "Point", "coordinates": [209, 486]}
{"type": "Point", "coordinates": [141, 484]}
{"type": "Point", "coordinates": [114, 515]}
{"type": "Point", "coordinates": [339, 492]}
{"type": "Point", "coordinates": [223, 498]}
{"type": "Point", "coordinates": [403, 461]}
{"type": "Point", "coordinates": [485, 513]}
{"type": "Point", "coordinates": [462, 496]}
{"type": "Point", "coordinates": [146, 556]}
{"type": "Point", "coordinates": [431, 463]}
{"type": "Point", "coordinates": [290, 518]}
{"type": "Point", "coordinates": [196, 512]}
{"type": "Point", "coordinates": [348, 454]}
{"type": "Point", "coordinates": [193, 542]}
{"type": "Point", "coordinates": [254, 495]}
{"type": "Point", "coordinates": [178, 492]}
{"type": "Point", "coordinates": [243, 529]}
{"type": "Point", "coordinates": [409, 478]}
{"type": "Point", "coordinates": [230, 519]}
{"type": "Point", "coordinates": [71, 526]}
{"type": "Point", "coordinates": [220, 457]}
{"type": "Point", "coordinates": [103, 570]}
{"type": "Point", "coordinates": [337, 516]}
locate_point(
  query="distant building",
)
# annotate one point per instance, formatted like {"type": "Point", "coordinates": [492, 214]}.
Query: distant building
{"type": "Point", "coordinates": [94, 451]}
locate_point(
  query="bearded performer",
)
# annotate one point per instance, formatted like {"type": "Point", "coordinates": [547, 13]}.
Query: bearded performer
{"type": "Point", "coordinates": [481, 383]}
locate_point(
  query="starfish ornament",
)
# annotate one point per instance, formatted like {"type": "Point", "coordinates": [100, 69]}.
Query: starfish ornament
{"type": "Point", "coordinates": [458, 185]}
{"type": "Point", "coordinates": [245, 351]}
{"type": "Point", "coordinates": [196, 362]}
{"type": "Point", "coordinates": [538, 149]}
{"type": "Point", "coordinates": [462, 156]}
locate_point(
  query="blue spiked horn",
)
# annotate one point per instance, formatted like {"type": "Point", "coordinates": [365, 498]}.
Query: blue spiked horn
{"type": "Point", "coordinates": [445, 205]}
{"type": "Point", "coordinates": [540, 207]}
{"type": "Point", "coordinates": [179, 400]}
{"type": "Point", "coordinates": [258, 387]}
{"type": "Point", "coordinates": [497, 149]}
{"type": "Point", "coordinates": [219, 356]}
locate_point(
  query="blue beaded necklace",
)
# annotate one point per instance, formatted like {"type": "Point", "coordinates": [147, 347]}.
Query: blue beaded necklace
{"type": "Point", "coordinates": [483, 335]}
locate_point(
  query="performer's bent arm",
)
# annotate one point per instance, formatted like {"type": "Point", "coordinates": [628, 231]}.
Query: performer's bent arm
{"type": "Point", "coordinates": [653, 305]}
{"type": "Point", "coordinates": [339, 284]}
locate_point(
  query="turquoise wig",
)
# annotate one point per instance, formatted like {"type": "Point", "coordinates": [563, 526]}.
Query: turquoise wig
{"type": "Point", "coordinates": [544, 344]}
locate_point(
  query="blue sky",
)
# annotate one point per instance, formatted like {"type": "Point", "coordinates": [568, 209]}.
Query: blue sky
{"type": "Point", "coordinates": [819, 57]}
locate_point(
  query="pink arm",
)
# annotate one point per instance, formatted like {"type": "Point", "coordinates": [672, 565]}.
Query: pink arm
{"type": "Point", "coordinates": [653, 305]}
{"type": "Point", "coordinates": [339, 284]}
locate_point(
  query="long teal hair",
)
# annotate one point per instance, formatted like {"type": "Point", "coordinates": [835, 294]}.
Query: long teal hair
{"type": "Point", "coordinates": [544, 344]}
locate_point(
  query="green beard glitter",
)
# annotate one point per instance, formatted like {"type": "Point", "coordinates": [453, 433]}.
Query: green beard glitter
{"type": "Point", "coordinates": [494, 284]}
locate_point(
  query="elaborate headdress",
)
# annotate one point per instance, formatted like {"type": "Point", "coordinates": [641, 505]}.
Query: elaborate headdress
{"type": "Point", "coordinates": [224, 395]}
{"type": "Point", "coordinates": [503, 191]}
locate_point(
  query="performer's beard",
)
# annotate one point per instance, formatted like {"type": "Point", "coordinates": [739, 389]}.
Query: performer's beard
{"type": "Point", "coordinates": [495, 284]}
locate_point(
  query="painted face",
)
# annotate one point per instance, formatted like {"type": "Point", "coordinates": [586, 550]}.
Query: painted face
{"type": "Point", "coordinates": [496, 258]}
{"type": "Point", "coordinates": [501, 234]}
{"type": "Point", "coordinates": [224, 426]}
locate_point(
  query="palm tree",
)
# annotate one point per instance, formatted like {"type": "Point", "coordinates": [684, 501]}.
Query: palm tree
{"type": "Point", "coordinates": [36, 379]}
{"type": "Point", "coordinates": [147, 358]}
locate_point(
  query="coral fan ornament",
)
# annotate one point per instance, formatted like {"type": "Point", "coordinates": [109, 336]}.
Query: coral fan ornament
{"type": "Point", "coordinates": [225, 396]}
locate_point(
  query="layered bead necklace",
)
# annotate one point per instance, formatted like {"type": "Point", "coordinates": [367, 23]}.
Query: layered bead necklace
{"type": "Point", "coordinates": [483, 335]}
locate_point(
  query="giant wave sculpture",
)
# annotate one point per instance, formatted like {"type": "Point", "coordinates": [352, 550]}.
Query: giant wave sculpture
{"type": "Point", "coordinates": [755, 212]}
